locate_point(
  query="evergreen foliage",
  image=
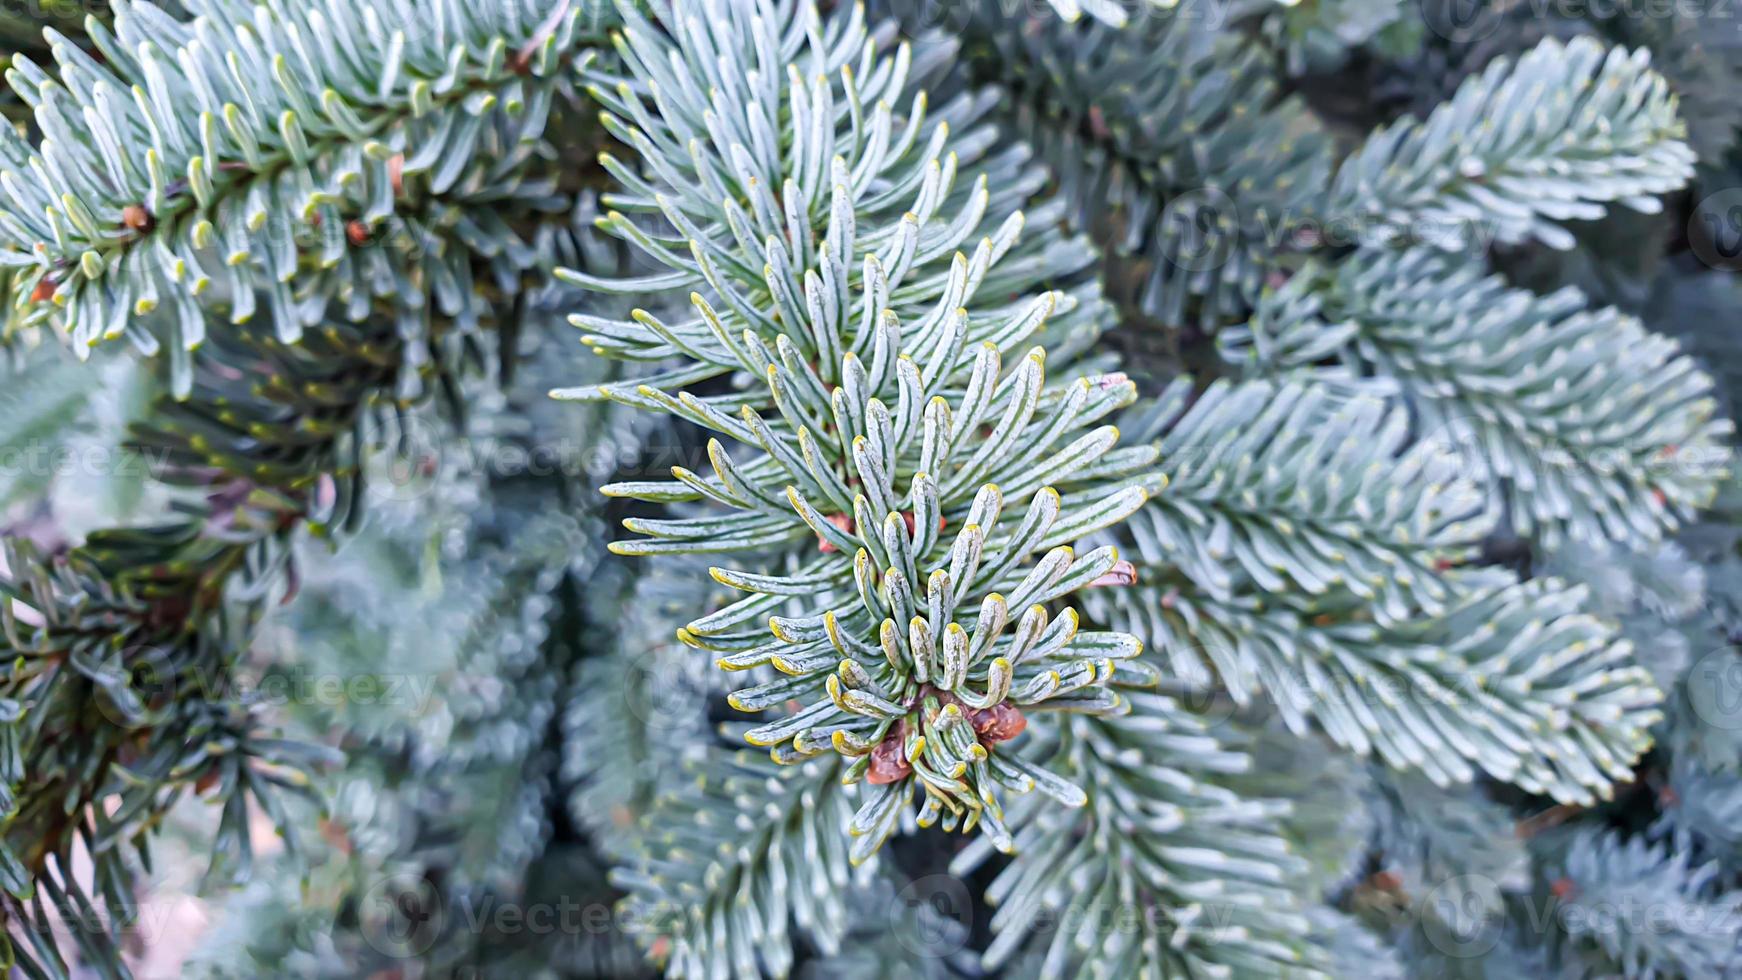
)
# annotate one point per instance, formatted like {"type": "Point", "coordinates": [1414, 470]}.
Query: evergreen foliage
{"type": "Point", "coordinates": [1107, 489]}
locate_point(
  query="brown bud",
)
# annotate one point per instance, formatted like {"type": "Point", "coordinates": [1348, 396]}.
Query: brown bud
{"type": "Point", "coordinates": [334, 833]}
{"type": "Point", "coordinates": [1563, 888]}
{"type": "Point", "coordinates": [907, 518]}
{"type": "Point", "coordinates": [136, 217]}
{"type": "Point", "coordinates": [396, 173]}
{"type": "Point", "coordinates": [888, 764]}
{"type": "Point", "coordinates": [1098, 123]}
{"type": "Point", "coordinates": [326, 491]}
{"type": "Point", "coordinates": [841, 521]}
{"type": "Point", "coordinates": [292, 583]}
{"type": "Point", "coordinates": [1122, 573]}
{"type": "Point", "coordinates": [44, 290]}
{"type": "Point", "coordinates": [999, 723]}
{"type": "Point", "coordinates": [357, 233]}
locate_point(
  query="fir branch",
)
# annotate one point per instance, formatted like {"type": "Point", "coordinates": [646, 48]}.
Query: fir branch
{"type": "Point", "coordinates": [270, 444]}
{"type": "Point", "coordinates": [1584, 424]}
{"type": "Point", "coordinates": [1628, 907]}
{"type": "Point", "coordinates": [1294, 488]}
{"type": "Point", "coordinates": [248, 181]}
{"type": "Point", "coordinates": [877, 410]}
{"type": "Point", "coordinates": [745, 853]}
{"type": "Point", "coordinates": [1164, 872]}
{"type": "Point", "coordinates": [146, 623]}
{"type": "Point", "coordinates": [1512, 678]}
{"type": "Point", "coordinates": [1174, 146]}
{"type": "Point", "coordinates": [1566, 130]}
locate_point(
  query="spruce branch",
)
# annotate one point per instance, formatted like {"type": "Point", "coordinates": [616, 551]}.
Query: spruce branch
{"type": "Point", "coordinates": [1166, 871]}
{"type": "Point", "coordinates": [1175, 147]}
{"type": "Point", "coordinates": [1603, 879]}
{"type": "Point", "coordinates": [274, 149]}
{"type": "Point", "coordinates": [1583, 423]}
{"type": "Point", "coordinates": [121, 653]}
{"type": "Point", "coordinates": [1512, 679]}
{"type": "Point", "coordinates": [1296, 488]}
{"type": "Point", "coordinates": [1555, 136]}
{"type": "Point", "coordinates": [733, 863]}
{"type": "Point", "coordinates": [918, 495]}
{"type": "Point", "coordinates": [269, 445]}
{"type": "Point", "coordinates": [636, 710]}
{"type": "Point", "coordinates": [455, 618]}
